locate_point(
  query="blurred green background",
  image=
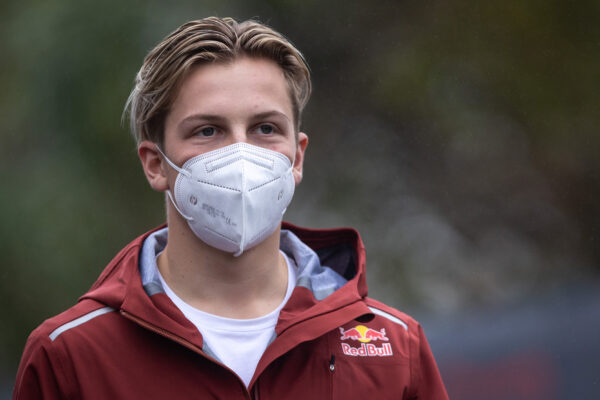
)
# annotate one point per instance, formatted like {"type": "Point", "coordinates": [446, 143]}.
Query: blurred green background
{"type": "Point", "coordinates": [460, 137]}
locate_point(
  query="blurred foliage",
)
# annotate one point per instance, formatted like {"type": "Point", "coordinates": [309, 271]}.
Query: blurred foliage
{"type": "Point", "coordinates": [460, 137]}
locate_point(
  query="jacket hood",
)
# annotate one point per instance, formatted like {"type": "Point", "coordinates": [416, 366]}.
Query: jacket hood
{"type": "Point", "coordinates": [339, 249]}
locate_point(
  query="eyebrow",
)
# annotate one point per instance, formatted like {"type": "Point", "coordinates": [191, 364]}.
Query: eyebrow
{"type": "Point", "coordinates": [270, 114]}
{"type": "Point", "coordinates": [201, 117]}
{"type": "Point", "coordinates": [219, 119]}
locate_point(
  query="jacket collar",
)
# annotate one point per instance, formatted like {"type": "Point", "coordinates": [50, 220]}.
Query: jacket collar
{"type": "Point", "coordinates": [120, 285]}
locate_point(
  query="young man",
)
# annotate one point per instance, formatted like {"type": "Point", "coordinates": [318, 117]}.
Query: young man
{"type": "Point", "coordinates": [227, 302]}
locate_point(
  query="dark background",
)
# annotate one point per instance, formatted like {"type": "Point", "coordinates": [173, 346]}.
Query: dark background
{"type": "Point", "coordinates": [460, 137]}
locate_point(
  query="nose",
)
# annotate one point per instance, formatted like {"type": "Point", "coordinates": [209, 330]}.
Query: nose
{"type": "Point", "coordinates": [238, 134]}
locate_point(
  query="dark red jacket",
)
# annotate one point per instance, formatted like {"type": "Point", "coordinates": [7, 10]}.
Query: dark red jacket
{"type": "Point", "coordinates": [118, 342]}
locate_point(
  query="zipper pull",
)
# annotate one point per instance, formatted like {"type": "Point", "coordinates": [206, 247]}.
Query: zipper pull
{"type": "Point", "coordinates": [332, 363]}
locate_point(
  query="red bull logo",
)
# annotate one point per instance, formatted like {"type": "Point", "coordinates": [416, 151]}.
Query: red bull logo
{"type": "Point", "coordinates": [365, 335]}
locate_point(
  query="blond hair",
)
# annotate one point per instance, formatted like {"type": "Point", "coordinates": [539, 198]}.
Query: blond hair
{"type": "Point", "coordinates": [204, 41]}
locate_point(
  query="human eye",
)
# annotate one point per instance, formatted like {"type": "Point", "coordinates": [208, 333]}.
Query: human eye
{"type": "Point", "coordinates": [265, 129]}
{"type": "Point", "coordinates": [207, 131]}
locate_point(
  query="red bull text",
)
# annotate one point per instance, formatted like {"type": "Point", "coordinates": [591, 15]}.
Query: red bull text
{"type": "Point", "coordinates": [367, 350]}
{"type": "Point", "coordinates": [365, 335]}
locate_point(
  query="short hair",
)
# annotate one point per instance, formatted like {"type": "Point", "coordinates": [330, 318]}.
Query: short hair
{"type": "Point", "coordinates": [209, 40]}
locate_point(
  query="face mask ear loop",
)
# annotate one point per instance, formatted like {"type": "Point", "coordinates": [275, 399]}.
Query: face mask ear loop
{"type": "Point", "coordinates": [177, 208]}
{"type": "Point", "coordinates": [181, 171]}
{"type": "Point", "coordinates": [290, 172]}
{"type": "Point", "coordinates": [175, 167]}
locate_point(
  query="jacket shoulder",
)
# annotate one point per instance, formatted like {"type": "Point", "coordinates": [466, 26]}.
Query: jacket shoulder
{"type": "Point", "coordinates": [74, 316]}
{"type": "Point", "coordinates": [398, 317]}
{"type": "Point", "coordinates": [426, 382]}
{"type": "Point", "coordinates": [44, 369]}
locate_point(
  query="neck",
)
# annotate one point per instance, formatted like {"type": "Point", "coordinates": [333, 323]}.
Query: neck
{"type": "Point", "coordinates": [248, 286]}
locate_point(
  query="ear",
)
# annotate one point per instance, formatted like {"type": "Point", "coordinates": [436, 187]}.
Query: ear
{"type": "Point", "coordinates": [299, 160]}
{"type": "Point", "coordinates": [152, 163]}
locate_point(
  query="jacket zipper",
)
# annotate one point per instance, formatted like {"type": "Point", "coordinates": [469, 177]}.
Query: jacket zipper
{"type": "Point", "coordinates": [162, 332]}
{"type": "Point", "coordinates": [182, 342]}
{"type": "Point", "coordinates": [332, 363]}
{"type": "Point", "coordinates": [331, 375]}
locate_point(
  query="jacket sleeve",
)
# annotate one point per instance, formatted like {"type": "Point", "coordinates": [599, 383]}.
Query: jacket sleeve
{"type": "Point", "coordinates": [37, 374]}
{"type": "Point", "coordinates": [427, 381]}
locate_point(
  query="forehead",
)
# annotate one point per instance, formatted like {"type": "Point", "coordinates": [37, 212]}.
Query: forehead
{"type": "Point", "coordinates": [241, 85]}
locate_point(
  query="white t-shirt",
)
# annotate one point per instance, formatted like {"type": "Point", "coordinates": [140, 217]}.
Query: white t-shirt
{"type": "Point", "coordinates": [238, 343]}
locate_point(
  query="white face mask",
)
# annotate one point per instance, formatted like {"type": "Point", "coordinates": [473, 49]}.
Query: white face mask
{"type": "Point", "coordinates": [234, 197]}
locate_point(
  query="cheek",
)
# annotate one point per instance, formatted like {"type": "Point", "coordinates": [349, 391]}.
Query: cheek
{"type": "Point", "coordinates": [288, 149]}
{"type": "Point", "coordinates": [171, 174]}
{"type": "Point", "coordinates": [290, 153]}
